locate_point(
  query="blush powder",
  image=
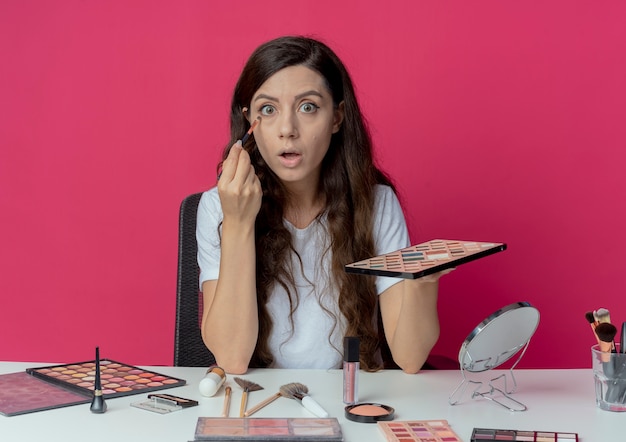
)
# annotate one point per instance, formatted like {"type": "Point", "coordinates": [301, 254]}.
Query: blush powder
{"type": "Point", "coordinates": [369, 412]}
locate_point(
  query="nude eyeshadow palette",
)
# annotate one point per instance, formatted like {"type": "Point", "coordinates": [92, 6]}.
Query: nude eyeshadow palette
{"type": "Point", "coordinates": [425, 259]}
{"type": "Point", "coordinates": [419, 431]}
{"type": "Point", "coordinates": [266, 429]}
{"type": "Point", "coordinates": [117, 379]}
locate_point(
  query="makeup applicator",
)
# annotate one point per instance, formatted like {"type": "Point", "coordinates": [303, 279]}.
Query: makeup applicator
{"type": "Point", "coordinates": [300, 392]}
{"type": "Point", "coordinates": [97, 403]}
{"type": "Point", "coordinates": [602, 315]}
{"type": "Point", "coordinates": [606, 334]}
{"type": "Point", "coordinates": [592, 322]}
{"type": "Point", "coordinates": [262, 404]}
{"type": "Point", "coordinates": [247, 387]}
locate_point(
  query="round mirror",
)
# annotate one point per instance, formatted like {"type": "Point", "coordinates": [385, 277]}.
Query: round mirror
{"type": "Point", "coordinates": [499, 337]}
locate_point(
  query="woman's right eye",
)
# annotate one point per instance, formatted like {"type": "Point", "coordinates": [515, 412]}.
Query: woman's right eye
{"type": "Point", "coordinates": [267, 109]}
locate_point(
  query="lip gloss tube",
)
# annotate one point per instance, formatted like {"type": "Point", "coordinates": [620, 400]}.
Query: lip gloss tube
{"type": "Point", "coordinates": [350, 369]}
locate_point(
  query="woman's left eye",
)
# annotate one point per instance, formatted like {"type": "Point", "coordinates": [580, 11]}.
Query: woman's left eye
{"type": "Point", "coordinates": [308, 108]}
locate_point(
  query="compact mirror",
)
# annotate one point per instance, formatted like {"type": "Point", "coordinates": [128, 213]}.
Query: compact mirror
{"type": "Point", "coordinates": [495, 340]}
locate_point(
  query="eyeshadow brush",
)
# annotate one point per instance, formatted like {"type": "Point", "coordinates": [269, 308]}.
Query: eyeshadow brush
{"type": "Point", "coordinates": [300, 392]}
{"type": "Point", "coordinates": [253, 126]}
{"type": "Point", "coordinates": [247, 386]}
{"type": "Point", "coordinates": [245, 137]}
{"type": "Point", "coordinates": [97, 403]}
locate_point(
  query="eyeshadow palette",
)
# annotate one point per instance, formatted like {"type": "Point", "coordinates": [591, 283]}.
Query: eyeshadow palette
{"type": "Point", "coordinates": [118, 379]}
{"type": "Point", "coordinates": [264, 429]}
{"type": "Point", "coordinates": [490, 435]}
{"type": "Point", "coordinates": [419, 431]}
{"type": "Point", "coordinates": [425, 258]}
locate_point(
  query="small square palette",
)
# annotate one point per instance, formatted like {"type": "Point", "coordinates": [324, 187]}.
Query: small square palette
{"type": "Point", "coordinates": [490, 435]}
{"type": "Point", "coordinates": [263, 429]}
{"type": "Point", "coordinates": [425, 258]}
{"type": "Point", "coordinates": [117, 379]}
{"type": "Point", "coordinates": [419, 431]}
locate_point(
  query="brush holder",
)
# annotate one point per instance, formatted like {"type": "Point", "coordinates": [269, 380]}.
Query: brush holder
{"type": "Point", "coordinates": [494, 341]}
{"type": "Point", "coordinates": [609, 373]}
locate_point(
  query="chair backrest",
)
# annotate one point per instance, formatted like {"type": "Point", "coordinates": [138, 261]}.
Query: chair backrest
{"type": "Point", "coordinates": [189, 348]}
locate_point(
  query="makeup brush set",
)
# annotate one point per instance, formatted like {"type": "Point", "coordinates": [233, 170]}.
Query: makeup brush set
{"type": "Point", "coordinates": [609, 360]}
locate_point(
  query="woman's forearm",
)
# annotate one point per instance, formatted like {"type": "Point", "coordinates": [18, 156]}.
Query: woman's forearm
{"type": "Point", "coordinates": [230, 314]}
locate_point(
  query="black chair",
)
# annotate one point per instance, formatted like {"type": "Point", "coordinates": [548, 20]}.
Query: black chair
{"type": "Point", "coordinates": [189, 349]}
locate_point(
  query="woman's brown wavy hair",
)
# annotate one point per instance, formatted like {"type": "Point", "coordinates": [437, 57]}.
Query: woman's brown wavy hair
{"type": "Point", "coordinates": [347, 184]}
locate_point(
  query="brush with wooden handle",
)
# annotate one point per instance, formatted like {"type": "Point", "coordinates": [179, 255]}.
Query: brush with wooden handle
{"type": "Point", "coordinates": [262, 404]}
{"type": "Point", "coordinates": [247, 386]}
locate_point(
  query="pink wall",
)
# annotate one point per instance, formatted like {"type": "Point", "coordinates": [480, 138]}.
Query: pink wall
{"type": "Point", "coordinates": [500, 121]}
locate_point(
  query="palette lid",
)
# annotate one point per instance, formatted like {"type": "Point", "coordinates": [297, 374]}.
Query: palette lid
{"type": "Point", "coordinates": [499, 337]}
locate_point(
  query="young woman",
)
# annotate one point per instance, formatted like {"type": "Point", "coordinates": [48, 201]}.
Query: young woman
{"type": "Point", "coordinates": [294, 204]}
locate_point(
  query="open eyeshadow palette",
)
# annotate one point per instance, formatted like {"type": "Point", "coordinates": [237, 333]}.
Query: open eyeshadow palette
{"type": "Point", "coordinates": [489, 435]}
{"type": "Point", "coordinates": [45, 388]}
{"type": "Point", "coordinates": [418, 431]}
{"type": "Point", "coordinates": [117, 379]}
{"type": "Point", "coordinates": [264, 429]}
{"type": "Point", "coordinates": [425, 258]}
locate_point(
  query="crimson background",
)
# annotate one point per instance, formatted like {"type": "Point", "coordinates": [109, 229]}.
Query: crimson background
{"type": "Point", "coordinates": [499, 120]}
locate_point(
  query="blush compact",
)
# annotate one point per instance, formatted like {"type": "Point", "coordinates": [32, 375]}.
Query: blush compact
{"type": "Point", "coordinates": [369, 413]}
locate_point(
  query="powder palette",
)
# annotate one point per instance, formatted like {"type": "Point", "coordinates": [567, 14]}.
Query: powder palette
{"type": "Point", "coordinates": [264, 429]}
{"type": "Point", "coordinates": [490, 435]}
{"type": "Point", "coordinates": [425, 259]}
{"type": "Point", "coordinates": [118, 379]}
{"type": "Point", "coordinates": [419, 431]}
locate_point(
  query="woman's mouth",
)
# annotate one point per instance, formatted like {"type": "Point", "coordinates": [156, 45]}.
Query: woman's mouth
{"type": "Point", "coordinates": [290, 159]}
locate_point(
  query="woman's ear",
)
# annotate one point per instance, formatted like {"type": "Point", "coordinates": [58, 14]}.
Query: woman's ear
{"type": "Point", "coordinates": [338, 119]}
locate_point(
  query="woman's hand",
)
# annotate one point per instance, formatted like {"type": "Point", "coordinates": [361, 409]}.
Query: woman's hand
{"type": "Point", "coordinates": [239, 188]}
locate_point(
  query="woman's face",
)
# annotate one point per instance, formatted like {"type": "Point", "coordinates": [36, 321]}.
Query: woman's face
{"type": "Point", "coordinates": [297, 121]}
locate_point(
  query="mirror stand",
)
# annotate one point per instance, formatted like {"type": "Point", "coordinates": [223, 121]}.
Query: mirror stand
{"type": "Point", "coordinates": [492, 392]}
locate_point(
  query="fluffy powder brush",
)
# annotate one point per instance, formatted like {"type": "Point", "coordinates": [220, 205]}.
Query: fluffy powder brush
{"type": "Point", "coordinates": [300, 392]}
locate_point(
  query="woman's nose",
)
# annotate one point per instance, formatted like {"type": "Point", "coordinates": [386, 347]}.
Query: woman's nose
{"type": "Point", "coordinates": [288, 125]}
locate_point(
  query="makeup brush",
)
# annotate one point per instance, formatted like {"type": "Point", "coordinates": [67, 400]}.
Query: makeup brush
{"type": "Point", "coordinates": [247, 386]}
{"type": "Point", "coordinates": [606, 334]}
{"type": "Point", "coordinates": [97, 403]}
{"type": "Point", "coordinates": [300, 392]}
{"type": "Point", "coordinates": [253, 126]}
{"type": "Point", "coordinates": [592, 322]}
{"type": "Point", "coordinates": [262, 404]}
{"type": "Point", "coordinates": [226, 409]}
{"type": "Point", "coordinates": [602, 315]}
{"type": "Point", "coordinates": [245, 137]}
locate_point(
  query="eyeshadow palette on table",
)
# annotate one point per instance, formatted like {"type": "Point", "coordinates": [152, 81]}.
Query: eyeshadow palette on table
{"type": "Point", "coordinates": [45, 388]}
{"type": "Point", "coordinates": [267, 429]}
{"type": "Point", "coordinates": [425, 259]}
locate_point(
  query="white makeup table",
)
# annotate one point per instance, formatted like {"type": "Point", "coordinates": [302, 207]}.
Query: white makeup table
{"type": "Point", "coordinates": [557, 400]}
